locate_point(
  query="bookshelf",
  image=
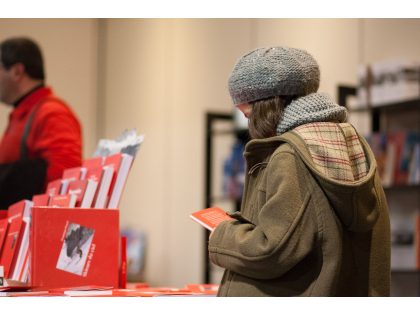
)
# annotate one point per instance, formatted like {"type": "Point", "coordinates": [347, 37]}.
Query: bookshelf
{"type": "Point", "coordinates": [403, 199]}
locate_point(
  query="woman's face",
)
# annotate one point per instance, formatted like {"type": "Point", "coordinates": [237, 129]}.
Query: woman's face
{"type": "Point", "coordinates": [245, 108]}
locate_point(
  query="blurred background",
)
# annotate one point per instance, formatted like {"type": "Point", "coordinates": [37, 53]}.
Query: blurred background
{"type": "Point", "coordinates": [168, 77]}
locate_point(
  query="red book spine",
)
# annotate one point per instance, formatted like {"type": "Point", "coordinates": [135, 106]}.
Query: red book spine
{"type": "Point", "coordinates": [123, 264]}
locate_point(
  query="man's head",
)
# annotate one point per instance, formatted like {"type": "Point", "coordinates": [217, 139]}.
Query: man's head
{"type": "Point", "coordinates": [21, 68]}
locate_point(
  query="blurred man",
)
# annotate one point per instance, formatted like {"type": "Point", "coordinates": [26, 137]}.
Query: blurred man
{"type": "Point", "coordinates": [41, 127]}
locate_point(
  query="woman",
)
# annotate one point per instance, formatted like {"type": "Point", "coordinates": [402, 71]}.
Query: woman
{"type": "Point", "coordinates": [314, 220]}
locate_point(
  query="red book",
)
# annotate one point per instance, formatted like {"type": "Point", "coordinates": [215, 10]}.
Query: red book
{"type": "Point", "coordinates": [53, 187]}
{"type": "Point", "coordinates": [12, 245]}
{"type": "Point", "coordinates": [74, 247]}
{"type": "Point", "coordinates": [4, 224]}
{"type": "Point", "coordinates": [23, 247]}
{"type": "Point", "coordinates": [94, 173]}
{"type": "Point", "coordinates": [84, 190]}
{"type": "Point", "coordinates": [76, 173]}
{"type": "Point", "coordinates": [68, 200]}
{"type": "Point", "coordinates": [210, 217]}
{"type": "Point", "coordinates": [123, 263]}
{"type": "Point", "coordinates": [99, 175]}
{"type": "Point", "coordinates": [65, 185]}
{"type": "Point", "coordinates": [18, 209]}
{"type": "Point", "coordinates": [40, 200]}
{"type": "Point", "coordinates": [93, 163]}
{"type": "Point", "coordinates": [14, 236]}
{"type": "Point", "coordinates": [102, 195]}
{"type": "Point", "coordinates": [121, 164]}
{"type": "Point", "coordinates": [209, 289]}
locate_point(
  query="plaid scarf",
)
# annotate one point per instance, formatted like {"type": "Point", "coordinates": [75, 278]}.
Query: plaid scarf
{"type": "Point", "coordinates": [335, 149]}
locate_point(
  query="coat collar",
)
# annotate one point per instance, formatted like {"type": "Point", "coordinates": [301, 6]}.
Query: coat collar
{"type": "Point", "coordinates": [260, 150]}
{"type": "Point", "coordinates": [29, 102]}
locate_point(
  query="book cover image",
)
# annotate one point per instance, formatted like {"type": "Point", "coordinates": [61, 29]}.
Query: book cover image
{"type": "Point", "coordinates": [75, 248]}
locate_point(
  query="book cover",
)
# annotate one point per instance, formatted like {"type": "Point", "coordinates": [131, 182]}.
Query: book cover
{"type": "Point", "coordinates": [23, 246]}
{"type": "Point", "coordinates": [76, 173]}
{"type": "Point", "coordinates": [94, 173]}
{"type": "Point", "coordinates": [210, 217]}
{"type": "Point", "coordinates": [74, 247]}
{"type": "Point", "coordinates": [67, 200]}
{"type": "Point", "coordinates": [40, 200]}
{"type": "Point", "coordinates": [13, 239]}
{"type": "Point", "coordinates": [65, 186]}
{"type": "Point", "coordinates": [84, 190]}
{"type": "Point", "coordinates": [121, 164]}
{"type": "Point", "coordinates": [53, 187]}
{"type": "Point", "coordinates": [104, 185]}
{"type": "Point", "coordinates": [14, 236]}
{"type": "Point", "coordinates": [93, 163]}
{"type": "Point", "coordinates": [4, 224]}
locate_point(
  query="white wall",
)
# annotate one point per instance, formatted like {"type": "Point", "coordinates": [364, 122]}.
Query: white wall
{"type": "Point", "coordinates": [333, 43]}
{"type": "Point", "coordinates": [70, 54]}
{"type": "Point", "coordinates": [161, 76]}
{"type": "Point", "coordinates": [390, 38]}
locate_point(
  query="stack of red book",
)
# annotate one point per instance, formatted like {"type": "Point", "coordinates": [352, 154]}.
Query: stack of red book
{"type": "Point", "coordinates": [98, 183]}
{"type": "Point", "coordinates": [68, 236]}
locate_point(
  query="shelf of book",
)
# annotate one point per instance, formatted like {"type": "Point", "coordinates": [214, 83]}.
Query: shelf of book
{"type": "Point", "coordinates": [394, 136]}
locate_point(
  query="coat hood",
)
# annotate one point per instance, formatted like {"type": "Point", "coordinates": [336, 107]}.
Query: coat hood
{"type": "Point", "coordinates": [355, 202]}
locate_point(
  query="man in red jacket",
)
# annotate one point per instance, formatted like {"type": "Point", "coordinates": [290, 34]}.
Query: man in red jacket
{"type": "Point", "coordinates": [54, 132]}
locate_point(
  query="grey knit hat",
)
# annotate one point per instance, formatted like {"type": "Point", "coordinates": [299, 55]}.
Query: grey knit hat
{"type": "Point", "coordinates": [272, 71]}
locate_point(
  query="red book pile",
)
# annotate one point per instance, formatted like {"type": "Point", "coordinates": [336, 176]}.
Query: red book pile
{"type": "Point", "coordinates": [58, 237]}
{"type": "Point", "coordinates": [98, 183]}
{"type": "Point", "coordinates": [14, 241]}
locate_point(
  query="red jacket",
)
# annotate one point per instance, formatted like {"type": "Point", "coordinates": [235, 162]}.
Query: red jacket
{"type": "Point", "coordinates": [55, 134]}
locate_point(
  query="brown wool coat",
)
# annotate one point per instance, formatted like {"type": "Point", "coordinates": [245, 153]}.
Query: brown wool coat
{"type": "Point", "coordinates": [300, 233]}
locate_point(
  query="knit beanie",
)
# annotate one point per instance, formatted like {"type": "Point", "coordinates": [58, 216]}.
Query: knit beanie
{"type": "Point", "coordinates": [273, 71]}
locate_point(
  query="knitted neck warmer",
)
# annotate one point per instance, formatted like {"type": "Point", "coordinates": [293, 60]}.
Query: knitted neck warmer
{"type": "Point", "coordinates": [314, 107]}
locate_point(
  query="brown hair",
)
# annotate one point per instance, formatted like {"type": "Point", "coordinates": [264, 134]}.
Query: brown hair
{"type": "Point", "coordinates": [265, 116]}
{"type": "Point", "coordinates": [23, 50]}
